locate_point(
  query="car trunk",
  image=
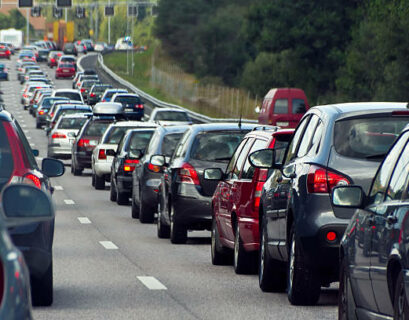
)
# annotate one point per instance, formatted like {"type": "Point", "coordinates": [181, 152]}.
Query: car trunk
{"type": "Point", "coordinates": [207, 186]}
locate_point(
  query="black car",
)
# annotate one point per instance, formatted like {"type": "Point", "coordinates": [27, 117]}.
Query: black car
{"type": "Point", "coordinates": [86, 86]}
{"type": "Point", "coordinates": [185, 197]}
{"type": "Point", "coordinates": [133, 106]}
{"type": "Point", "coordinates": [333, 145]}
{"type": "Point", "coordinates": [146, 176]}
{"type": "Point", "coordinates": [43, 55]}
{"type": "Point", "coordinates": [374, 260]}
{"type": "Point", "coordinates": [69, 48]}
{"type": "Point", "coordinates": [96, 92]}
{"type": "Point", "coordinates": [130, 149]}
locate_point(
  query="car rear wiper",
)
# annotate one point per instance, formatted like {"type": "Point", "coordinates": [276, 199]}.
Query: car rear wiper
{"type": "Point", "coordinates": [221, 159]}
{"type": "Point", "coordinates": [376, 156]}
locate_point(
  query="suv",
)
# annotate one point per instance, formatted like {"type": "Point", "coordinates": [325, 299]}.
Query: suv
{"type": "Point", "coordinates": [236, 200]}
{"type": "Point", "coordinates": [333, 145]}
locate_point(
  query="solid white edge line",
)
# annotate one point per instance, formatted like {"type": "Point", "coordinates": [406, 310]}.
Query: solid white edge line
{"type": "Point", "coordinates": [109, 245]}
{"type": "Point", "coordinates": [152, 283]}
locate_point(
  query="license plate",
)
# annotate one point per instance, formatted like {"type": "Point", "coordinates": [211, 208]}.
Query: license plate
{"type": "Point", "coordinates": [129, 109]}
{"type": "Point", "coordinates": [65, 71]}
{"type": "Point", "coordinates": [93, 142]}
{"type": "Point", "coordinates": [282, 124]}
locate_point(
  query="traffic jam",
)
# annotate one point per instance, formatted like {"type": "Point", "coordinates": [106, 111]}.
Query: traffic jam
{"type": "Point", "coordinates": [309, 200]}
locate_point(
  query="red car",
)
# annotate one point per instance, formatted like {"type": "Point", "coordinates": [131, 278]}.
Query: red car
{"type": "Point", "coordinates": [65, 70]}
{"type": "Point", "coordinates": [53, 58]}
{"type": "Point", "coordinates": [5, 52]}
{"type": "Point", "coordinates": [236, 201]}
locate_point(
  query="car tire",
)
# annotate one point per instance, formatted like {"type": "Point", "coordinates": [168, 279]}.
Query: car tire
{"type": "Point", "coordinates": [400, 305]}
{"type": "Point", "coordinates": [38, 125]}
{"type": "Point", "coordinates": [163, 229]}
{"type": "Point", "coordinates": [75, 170]}
{"type": "Point", "coordinates": [146, 214]}
{"type": "Point", "coordinates": [112, 191]}
{"type": "Point", "coordinates": [219, 254]}
{"type": "Point", "coordinates": [271, 273]}
{"type": "Point", "coordinates": [93, 179]}
{"type": "Point", "coordinates": [122, 198]}
{"type": "Point", "coordinates": [134, 209]}
{"type": "Point", "coordinates": [346, 304]}
{"type": "Point", "coordinates": [178, 232]}
{"type": "Point", "coordinates": [99, 182]}
{"type": "Point", "coordinates": [42, 289]}
{"type": "Point", "coordinates": [303, 283]}
{"type": "Point", "coordinates": [243, 262]}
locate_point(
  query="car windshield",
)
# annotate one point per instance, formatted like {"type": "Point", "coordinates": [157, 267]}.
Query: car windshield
{"type": "Point", "coordinates": [169, 143]}
{"type": "Point", "coordinates": [139, 140]}
{"type": "Point", "coordinates": [115, 135]}
{"type": "Point", "coordinates": [96, 128]}
{"type": "Point", "coordinates": [367, 138]}
{"type": "Point", "coordinates": [72, 123]}
{"type": "Point", "coordinates": [171, 116]}
{"type": "Point", "coordinates": [215, 146]}
{"type": "Point", "coordinates": [70, 95]}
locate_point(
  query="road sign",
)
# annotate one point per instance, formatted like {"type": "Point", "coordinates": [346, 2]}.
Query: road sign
{"type": "Point", "coordinates": [25, 3]}
{"type": "Point", "coordinates": [109, 10]}
{"type": "Point", "coordinates": [64, 3]}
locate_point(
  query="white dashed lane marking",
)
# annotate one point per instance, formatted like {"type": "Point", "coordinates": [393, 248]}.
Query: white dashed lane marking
{"type": "Point", "coordinates": [152, 283]}
{"type": "Point", "coordinates": [109, 245]}
{"type": "Point", "coordinates": [84, 220]}
{"type": "Point", "coordinates": [59, 188]}
{"type": "Point", "coordinates": [69, 201]}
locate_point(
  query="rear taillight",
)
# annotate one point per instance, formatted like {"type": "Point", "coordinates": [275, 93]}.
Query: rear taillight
{"type": "Point", "coordinates": [321, 180]}
{"type": "Point", "coordinates": [82, 90]}
{"type": "Point", "coordinates": [187, 174]}
{"type": "Point", "coordinates": [101, 154]}
{"type": "Point", "coordinates": [52, 60]}
{"type": "Point", "coordinates": [58, 70]}
{"type": "Point", "coordinates": [32, 179]}
{"type": "Point", "coordinates": [41, 112]}
{"type": "Point", "coordinates": [92, 95]}
{"type": "Point", "coordinates": [129, 164]}
{"type": "Point", "coordinates": [153, 168]}
{"type": "Point", "coordinates": [139, 106]}
{"type": "Point", "coordinates": [260, 179]}
{"type": "Point", "coordinates": [83, 143]}
{"type": "Point", "coordinates": [8, 52]}
{"type": "Point", "coordinates": [58, 135]}
{"type": "Point", "coordinates": [103, 100]}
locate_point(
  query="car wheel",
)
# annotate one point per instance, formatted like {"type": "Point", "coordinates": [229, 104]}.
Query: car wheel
{"type": "Point", "coordinates": [220, 255]}
{"type": "Point", "coordinates": [75, 170]}
{"type": "Point", "coordinates": [243, 262]}
{"type": "Point", "coordinates": [346, 305]}
{"type": "Point", "coordinates": [135, 208]}
{"type": "Point", "coordinates": [145, 212]}
{"type": "Point", "coordinates": [99, 182]}
{"type": "Point", "coordinates": [163, 230]}
{"type": "Point", "coordinates": [112, 191]}
{"type": "Point", "coordinates": [400, 305]}
{"type": "Point", "coordinates": [93, 179]}
{"type": "Point", "coordinates": [178, 232]}
{"type": "Point", "coordinates": [303, 284]}
{"type": "Point", "coordinates": [38, 125]}
{"type": "Point", "coordinates": [122, 198]}
{"type": "Point", "coordinates": [42, 289]}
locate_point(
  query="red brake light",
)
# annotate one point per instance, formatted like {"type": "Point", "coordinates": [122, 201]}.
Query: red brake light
{"type": "Point", "coordinates": [140, 106]}
{"type": "Point", "coordinates": [331, 236]}
{"type": "Point", "coordinates": [129, 164]}
{"type": "Point", "coordinates": [101, 154]}
{"type": "Point", "coordinates": [92, 95]}
{"type": "Point", "coordinates": [58, 70]}
{"type": "Point", "coordinates": [188, 174]}
{"type": "Point", "coordinates": [261, 178]}
{"type": "Point", "coordinates": [58, 135]}
{"type": "Point", "coordinates": [320, 180]}
{"type": "Point", "coordinates": [41, 112]}
{"type": "Point", "coordinates": [52, 60]}
{"type": "Point", "coordinates": [83, 142]}
{"type": "Point", "coordinates": [103, 100]}
{"type": "Point", "coordinates": [32, 179]}
{"type": "Point", "coordinates": [82, 89]}
{"type": "Point", "coordinates": [153, 168]}
{"type": "Point", "coordinates": [400, 113]}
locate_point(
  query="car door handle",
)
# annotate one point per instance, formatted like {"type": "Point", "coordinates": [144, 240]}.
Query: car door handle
{"type": "Point", "coordinates": [391, 219]}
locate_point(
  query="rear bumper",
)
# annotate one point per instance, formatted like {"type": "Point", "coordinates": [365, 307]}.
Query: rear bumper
{"type": "Point", "coordinates": [102, 168]}
{"type": "Point", "coordinates": [124, 183]}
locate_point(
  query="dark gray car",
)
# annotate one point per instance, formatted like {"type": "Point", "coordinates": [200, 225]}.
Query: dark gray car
{"type": "Point", "coordinates": [300, 229]}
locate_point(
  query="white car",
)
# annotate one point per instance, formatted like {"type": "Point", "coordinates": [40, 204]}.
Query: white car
{"type": "Point", "coordinates": [124, 44]}
{"type": "Point", "coordinates": [100, 161]}
{"type": "Point", "coordinates": [29, 91]}
{"type": "Point", "coordinates": [71, 94]}
{"type": "Point", "coordinates": [100, 46]}
{"type": "Point", "coordinates": [170, 116]}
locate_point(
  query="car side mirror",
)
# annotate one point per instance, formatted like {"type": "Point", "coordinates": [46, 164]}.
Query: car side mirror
{"type": "Point", "coordinates": [158, 160]}
{"type": "Point", "coordinates": [35, 152]}
{"type": "Point", "coordinates": [215, 174]}
{"type": "Point", "coordinates": [23, 204]}
{"type": "Point", "coordinates": [110, 152]}
{"type": "Point", "coordinates": [52, 167]}
{"type": "Point", "coordinates": [348, 196]}
{"type": "Point", "coordinates": [264, 159]}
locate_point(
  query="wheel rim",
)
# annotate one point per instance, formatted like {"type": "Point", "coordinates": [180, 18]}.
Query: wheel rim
{"type": "Point", "coordinates": [236, 246]}
{"type": "Point", "coordinates": [292, 262]}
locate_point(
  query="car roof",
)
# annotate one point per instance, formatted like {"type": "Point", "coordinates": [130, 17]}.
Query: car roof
{"type": "Point", "coordinates": [362, 107]}
{"type": "Point", "coordinates": [220, 126]}
{"type": "Point", "coordinates": [134, 123]}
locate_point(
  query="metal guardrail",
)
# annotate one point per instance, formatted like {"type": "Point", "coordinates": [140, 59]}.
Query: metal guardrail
{"type": "Point", "coordinates": [156, 102]}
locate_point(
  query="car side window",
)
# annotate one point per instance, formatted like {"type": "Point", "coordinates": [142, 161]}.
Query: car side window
{"type": "Point", "coordinates": [306, 141]}
{"type": "Point", "coordinates": [248, 169]}
{"type": "Point", "coordinates": [233, 159]}
{"type": "Point", "coordinates": [241, 159]}
{"type": "Point", "coordinates": [381, 180]}
{"type": "Point", "coordinates": [316, 139]}
{"type": "Point", "coordinates": [399, 177]}
{"type": "Point", "coordinates": [292, 149]}
{"type": "Point", "coordinates": [179, 148]}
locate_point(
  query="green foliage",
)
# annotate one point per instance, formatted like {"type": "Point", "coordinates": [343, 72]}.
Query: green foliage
{"type": "Point", "coordinates": [4, 21]}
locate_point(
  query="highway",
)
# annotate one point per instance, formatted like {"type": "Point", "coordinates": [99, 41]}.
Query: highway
{"type": "Point", "coordinates": [109, 266]}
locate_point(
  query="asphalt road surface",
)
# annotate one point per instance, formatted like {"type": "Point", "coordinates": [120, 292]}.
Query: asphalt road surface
{"type": "Point", "coordinates": [109, 266]}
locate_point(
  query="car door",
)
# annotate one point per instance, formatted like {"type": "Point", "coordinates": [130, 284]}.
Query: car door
{"type": "Point", "coordinates": [386, 231]}
{"type": "Point", "coordinates": [360, 258]}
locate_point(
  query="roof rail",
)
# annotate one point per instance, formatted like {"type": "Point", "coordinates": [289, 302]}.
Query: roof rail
{"type": "Point", "coordinates": [265, 128]}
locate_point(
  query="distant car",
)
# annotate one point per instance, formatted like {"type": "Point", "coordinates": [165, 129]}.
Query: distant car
{"type": "Point", "coordinates": [170, 116]}
{"type": "Point", "coordinates": [65, 109]}
{"type": "Point", "coordinates": [109, 93]}
{"type": "Point", "coordinates": [100, 46]}
{"type": "Point", "coordinates": [124, 44]}
{"type": "Point", "coordinates": [68, 59]}
{"type": "Point", "coordinates": [64, 70]}
{"type": "Point", "coordinates": [43, 55]}
{"type": "Point", "coordinates": [53, 57]}
{"type": "Point", "coordinates": [5, 52]}
{"type": "Point", "coordinates": [68, 93]}
{"type": "Point", "coordinates": [86, 86]}
{"type": "Point", "coordinates": [4, 73]}
{"type": "Point", "coordinates": [43, 107]}
{"type": "Point", "coordinates": [88, 44]}
{"type": "Point", "coordinates": [133, 106]}
{"type": "Point", "coordinates": [96, 92]}
{"type": "Point", "coordinates": [70, 48]}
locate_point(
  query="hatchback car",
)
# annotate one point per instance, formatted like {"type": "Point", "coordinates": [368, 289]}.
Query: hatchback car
{"type": "Point", "coordinates": [43, 107]}
{"type": "Point", "coordinates": [169, 116]}
{"type": "Point", "coordinates": [53, 57]}
{"type": "Point", "coordinates": [86, 86]}
{"type": "Point", "coordinates": [130, 149]}
{"type": "Point", "coordinates": [109, 93]}
{"type": "Point", "coordinates": [373, 255]}
{"type": "Point", "coordinates": [132, 103]}
{"type": "Point", "coordinates": [65, 109]}
{"type": "Point", "coordinates": [333, 145]}
{"type": "Point", "coordinates": [69, 48]}
{"type": "Point", "coordinates": [68, 93]}
{"type": "Point", "coordinates": [64, 70]}
{"type": "Point", "coordinates": [5, 52]}
{"type": "Point", "coordinates": [96, 92]}
{"type": "Point", "coordinates": [43, 55]}
{"type": "Point", "coordinates": [236, 200]}
{"type": "Point", "coordinates": [146, 176]}
{"type": "Point", "coordinates": [185, 197]}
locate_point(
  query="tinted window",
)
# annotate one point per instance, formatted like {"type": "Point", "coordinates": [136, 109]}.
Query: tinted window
{"type": "Point", "coordinates": [299, 106]}
{"type": "Point", "coordinates": [70, 95]}
{"type": "Point", "coordinates": [281, 106]}
{"type": "Point", "coordinates": [316, 139]}
{"type": "Point", "coordinates": [171, 116]}
{"type": "Point", "coordinates": [47, 102]}
{"type": "Point", "coordinates": [169, 143]}
{"type": "Point", "coordinates": [234, 157]}
{"type": "Point", "coordinates": [71, 123]}
{"type": "Point", "coordinates": [96, 128]}
{"type": "Point", "coordinates": [382, 176]}
{"type": "Point", "coordinates": [115, 135]}
{"type": "Point", "coordinates": [87, 84]}
{"type": "Point", "coordinates": [128, 100]}
{"type": "Point", "coordinates": [182, 146]}
{"type": "Point", "coordinates": [139, 140]}
{"type": "Point", "coordinates": [99, 89]}
{"type": "Point", "coordinates": [215, 146]}
{"type": "Point", "coordinates": [364, 138]}
{"type": "Point", "coordinates": [241, 159]}
{"type": "Point", "coordinates": [307, 137]}
{"type": "Point", "coordinates": [248, 169]}
{"type": "Point", "coordinates": [399, 176]}
{"type": "Point", "coordinates": [6, 159]}
{"type": "Point", "coordinates": [296, 138]}
{"type": "Point", "coordinates": [65, 65]}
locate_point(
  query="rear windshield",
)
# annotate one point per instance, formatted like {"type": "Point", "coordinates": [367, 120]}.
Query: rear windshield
{"type": "Point", "coordinates": [70, 95]}
{"type": "Point", "coordinates": [139, 140]}
{"type": "Point", "coordinates": [169, 143]}
{"type": "Point", "coordinates": [71, 123]}
{"type": "Point", "coordinates": [281, 106]}
{"type": "Point", "coordinates": [216, 146]}
{"type": "Point", "coordinates": [115, 135]}
{"type": "Point", "coordinates": [96, 128]}
{"type": "Point", "coordinates": [66, 65]}
{"type": "Point", "coordinates": [99, 89]}
{"type": "Point", "coordinates": [70, 111]}
{"type": "Point", "coordinates": [128, 100]}
{"type": "Point", "coordinates": [87, 84]}
{"type": "Point", "coordinates": [6, 159]}
{"type": "Point", "coordinates": [367, 138]}
{"type": "Point", "coordinates": [68, 59]}
{"type": "Point", "coordinates": [171, 116]}
{"type": "Point", "coordinates": [49, 102]}
{"type": "Point", "coordinates": [110, 94]}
